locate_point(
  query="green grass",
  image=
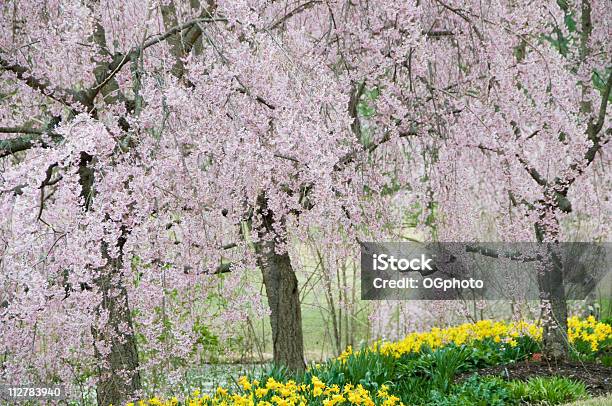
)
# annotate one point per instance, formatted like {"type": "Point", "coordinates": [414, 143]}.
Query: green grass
{"type": "Point", "coordinates": [600, 401]}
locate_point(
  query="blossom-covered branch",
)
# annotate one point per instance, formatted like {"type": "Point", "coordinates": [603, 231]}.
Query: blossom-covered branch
{"type": "Point", "coordinates": [33, 137]}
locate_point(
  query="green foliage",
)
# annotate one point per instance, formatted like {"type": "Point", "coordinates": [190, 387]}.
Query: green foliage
{"type": "Point", "coordinates": [475, 391]}
{"type": "Point", "coordinates": [422, 378]}
{"type": "Point", "coordinates": [412, 215]}
{"type": "Point", "coordinates": [205, 337]}
{"type": "Point", "coordinates": [367, 368]}
{"type": "Point", "coordinates": [440, 366]}
{"type": "Point", "coordinates": [366, 106]}
{"type": "Point", "coordinates": [547, 390]}
{"type": "Point", "coordinates": [606, 360]}
{"type": "Point", "coordinates": [487, 352]}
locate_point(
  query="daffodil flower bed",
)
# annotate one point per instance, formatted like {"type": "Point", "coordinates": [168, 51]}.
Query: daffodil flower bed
{"type": "Point", "coordinates": [463, 334]}
{"type": "Point", "coordinates": [288, 393]}
{"type": "Point", "coordinates": [382, 373]}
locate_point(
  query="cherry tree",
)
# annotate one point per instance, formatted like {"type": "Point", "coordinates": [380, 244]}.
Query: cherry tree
{"type": "Point", "coordinates": [150, 149]}
{"type": "Point", "coordinates": [524, 150]}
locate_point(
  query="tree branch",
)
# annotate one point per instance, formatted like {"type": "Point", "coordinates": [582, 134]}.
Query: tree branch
{"type": "Point", "coordinates": [160, 37]}
{"type": "Point", "coordinates": [492, 253]}
{"type": "Point", "coordinates": [121, 59]}
{"type": "Point", "coordinates": [533, 172]}
{"type": "Point", "coordinates": [18, 144]}
{"type": "Point", "coordinates": [348, 158]}
{"type": "Point", "coordinates": [65, 96]}
{"type": "Point", "coordinates": [295, 11]}
{"type": "Point", "coordinates": [605, 95]}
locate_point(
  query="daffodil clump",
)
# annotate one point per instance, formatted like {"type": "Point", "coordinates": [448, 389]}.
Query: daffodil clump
{"type": "Point", "coordinates": [290, 393]}
{"type": "Point", "coordinates": [467, 333]}
{"type": "Point", "coordinates": [589, 332]}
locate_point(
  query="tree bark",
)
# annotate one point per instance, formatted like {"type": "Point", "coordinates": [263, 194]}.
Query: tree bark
{"type": "Point", "coordinates": [119, 377]}
{"type": "Point", "coordinates": [552, 292]}
{"type": "Point", "coordinates": [283, 296]}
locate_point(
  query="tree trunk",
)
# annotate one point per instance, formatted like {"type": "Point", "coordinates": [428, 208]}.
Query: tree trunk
{"type": "Point", "coordinates": [552, 292]}
{"type": "Point", "coordinates": [283, 296]}
{"type": "Point", "coordinates": [119, 378]}
{"type": "Point", "coordinates": [285, 309]}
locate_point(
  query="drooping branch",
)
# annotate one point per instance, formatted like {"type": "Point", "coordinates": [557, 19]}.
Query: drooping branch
{"type": "Point", "coordinates": [121, 59]}
{"type": "Point", "coordinates": [32, 137]}
{"type": "Point", "coordinates": [104, 82]}
{"type": "Point", "coordinates": [65, 96]}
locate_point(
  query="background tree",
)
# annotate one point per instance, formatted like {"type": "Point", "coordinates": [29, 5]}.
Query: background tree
{"type": "Point", "coordinates": [525, 148]}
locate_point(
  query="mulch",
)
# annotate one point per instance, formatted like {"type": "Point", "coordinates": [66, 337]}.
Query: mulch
{"type": "Point", "coordinates": [596, 377]}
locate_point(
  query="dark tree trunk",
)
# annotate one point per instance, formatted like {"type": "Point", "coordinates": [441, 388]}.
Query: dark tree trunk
{"type": "Point", "coordinates": [552, 292]}
{"type": "Point", "coordinates": [283, 297]}
{"type": "Point", "coordinates": [285, 309]}
{"type": "Point", "coordinates": [119, 378]}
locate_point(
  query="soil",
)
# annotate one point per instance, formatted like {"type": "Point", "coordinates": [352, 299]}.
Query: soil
{"type": "Point", "coordinates": [596, 377]}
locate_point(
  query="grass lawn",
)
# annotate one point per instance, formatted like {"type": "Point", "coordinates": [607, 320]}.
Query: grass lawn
{"type": "Point", "coordinates": [600, 401]}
